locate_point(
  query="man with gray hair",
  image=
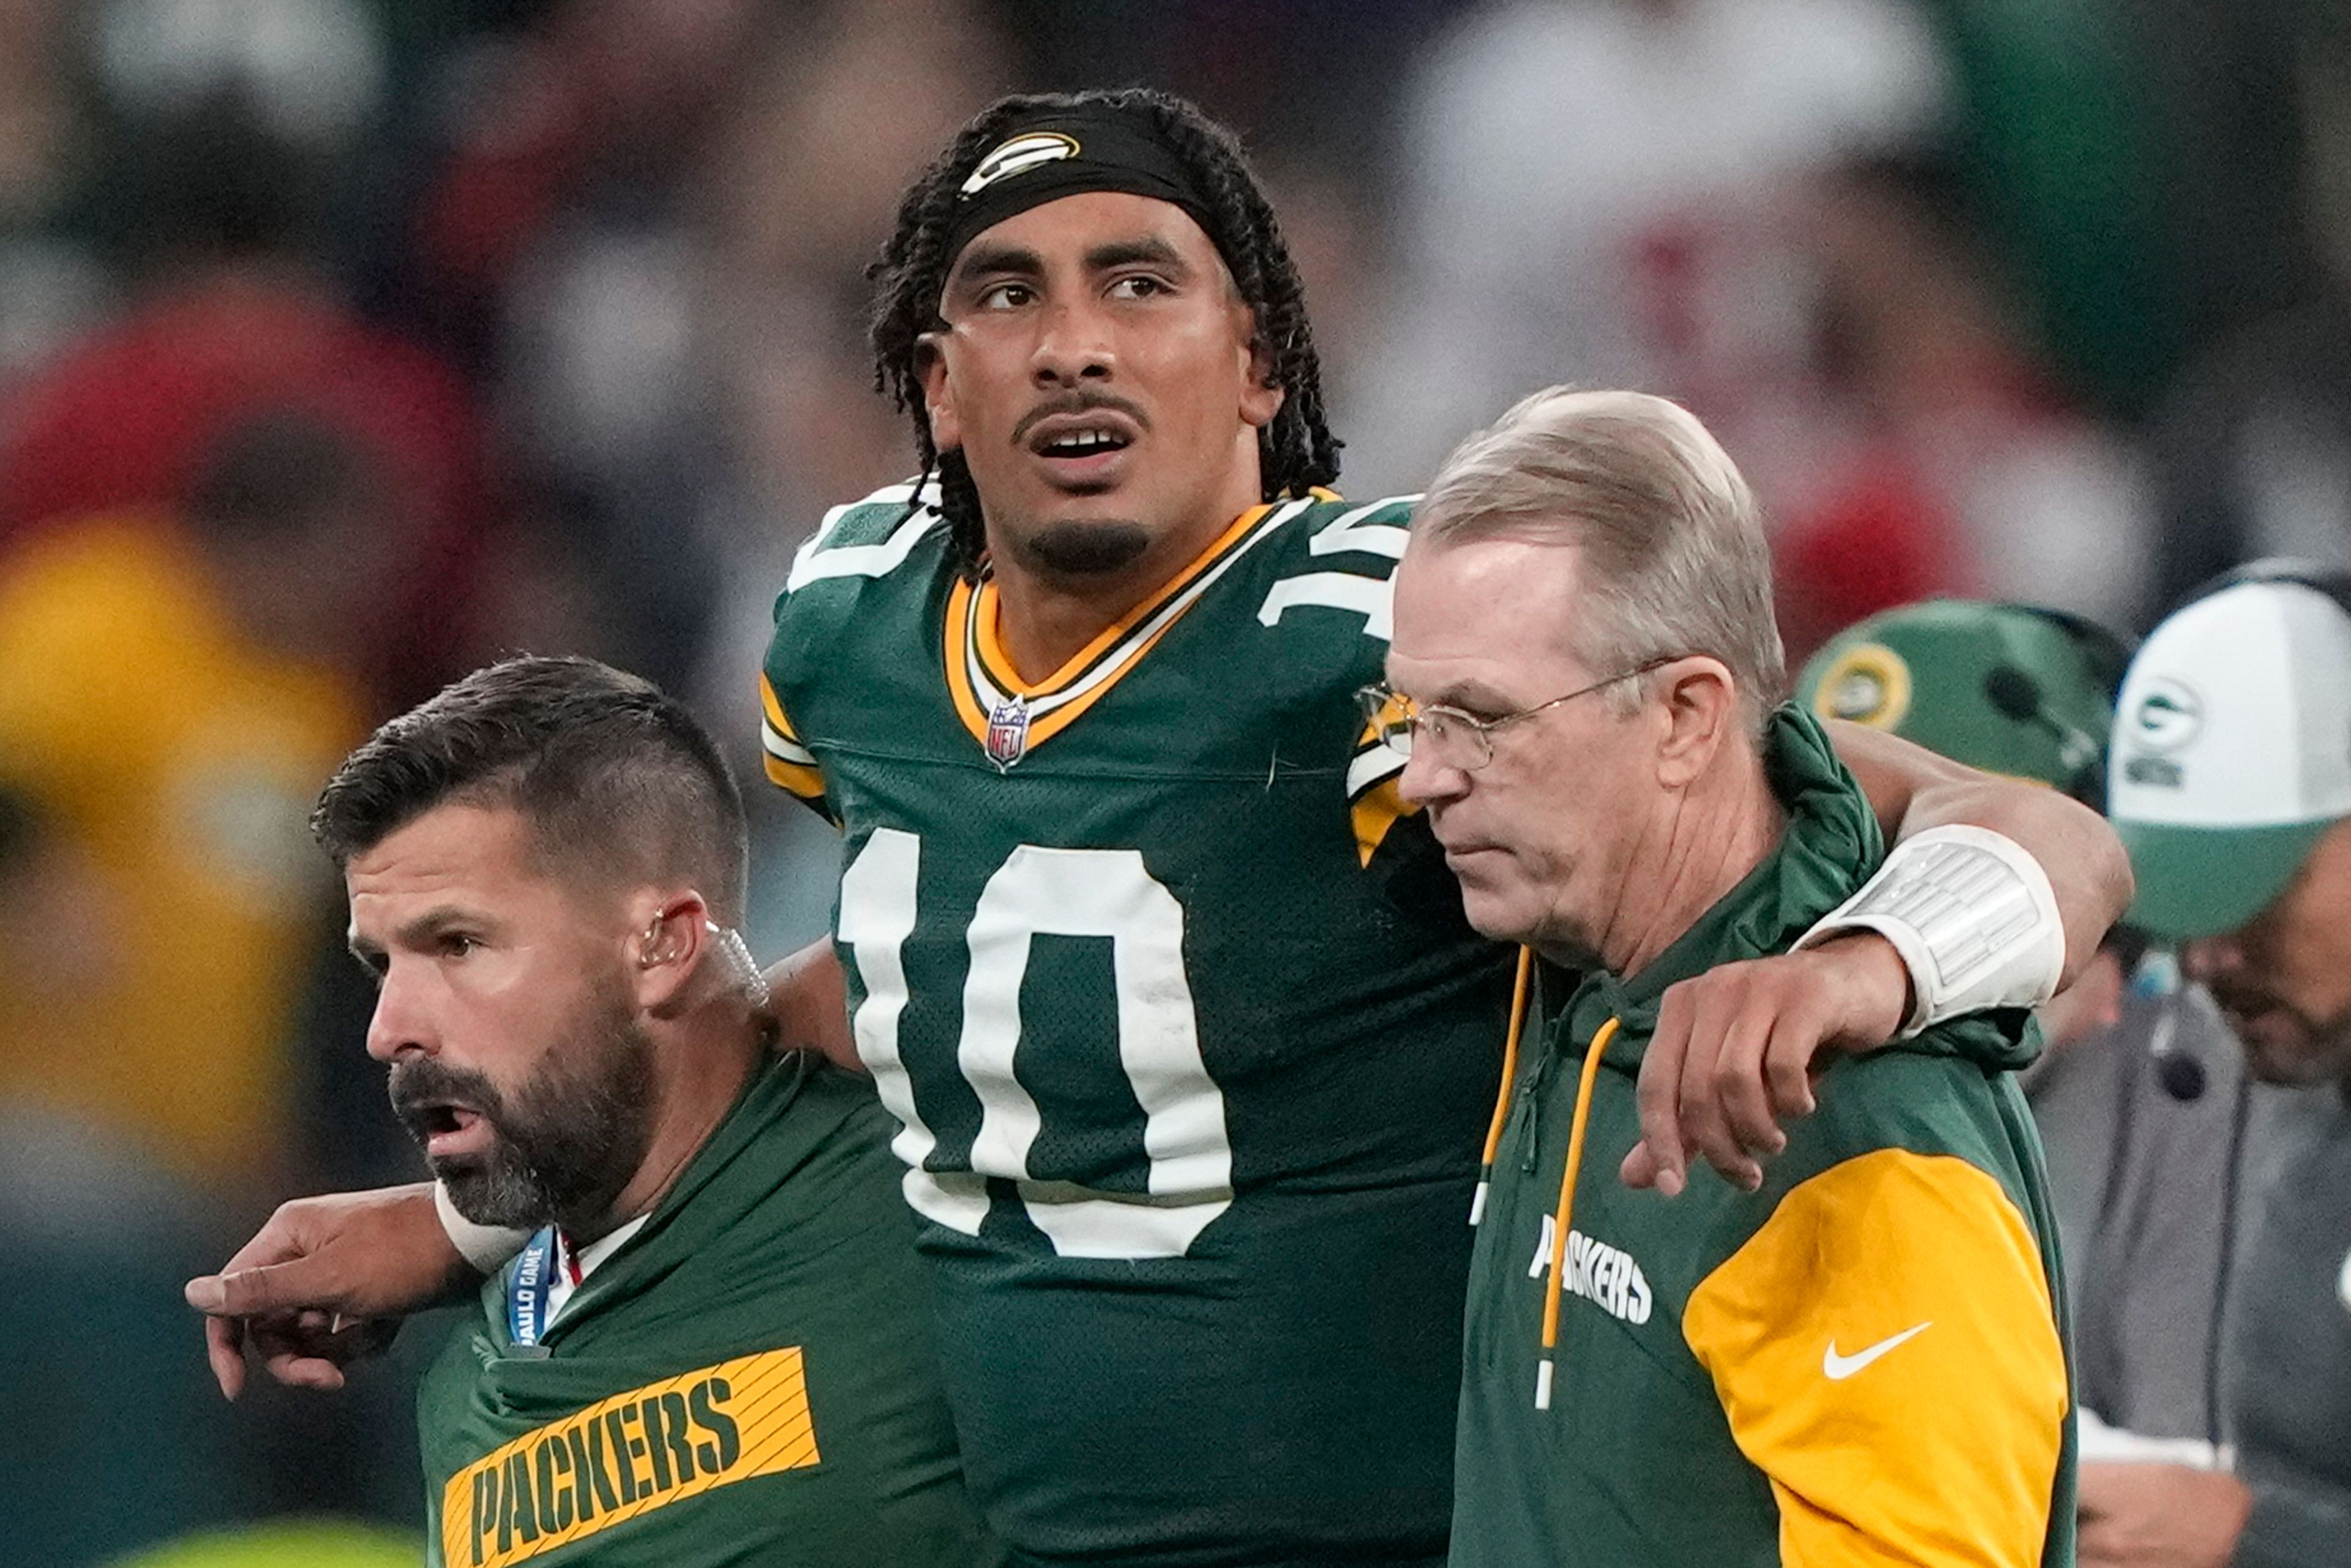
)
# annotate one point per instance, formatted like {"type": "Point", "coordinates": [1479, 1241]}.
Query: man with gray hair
{"type": "Point", "coordinates": [1859, 1359]}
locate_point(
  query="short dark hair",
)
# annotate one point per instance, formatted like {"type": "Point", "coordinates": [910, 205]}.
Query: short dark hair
{"type": "Point", "coordinates": [1296, 451]}
{"type": "Point", "coordinates": [609, 773]}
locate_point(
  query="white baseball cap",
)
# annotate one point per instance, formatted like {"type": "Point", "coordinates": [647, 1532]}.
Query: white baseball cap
{"type": "Point", "coordinates": [2232, 750]}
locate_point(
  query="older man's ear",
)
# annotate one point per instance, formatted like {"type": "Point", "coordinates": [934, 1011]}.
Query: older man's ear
{"type": "Point", "coordinates": [1700, 713]}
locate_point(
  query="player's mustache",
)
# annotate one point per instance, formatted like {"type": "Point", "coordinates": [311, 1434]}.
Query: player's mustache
{"type": "Point", "coordinates": [419, 1082]}
{"type": "Point", "coordinates": [1085, 399]}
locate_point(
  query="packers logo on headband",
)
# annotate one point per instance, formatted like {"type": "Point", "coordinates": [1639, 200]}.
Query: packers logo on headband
{"type": "Point", "coordinates": [1868, 683]}
{"type": "Point", "coordinates": [1026, 150]}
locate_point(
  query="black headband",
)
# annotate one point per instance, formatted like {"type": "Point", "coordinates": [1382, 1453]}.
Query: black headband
{"type": "Point", "coordinates": [1069, 152]}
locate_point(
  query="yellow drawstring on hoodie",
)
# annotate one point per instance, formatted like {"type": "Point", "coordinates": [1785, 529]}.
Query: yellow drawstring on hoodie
{"type": "Point", "coordinates": [1591, 1054]}
{"type": "Point", "coordinates": [1509, 1077]}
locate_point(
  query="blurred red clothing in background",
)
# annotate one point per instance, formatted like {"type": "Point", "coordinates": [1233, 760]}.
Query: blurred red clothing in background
{"type": "Point", "coordinates": [120, 421]}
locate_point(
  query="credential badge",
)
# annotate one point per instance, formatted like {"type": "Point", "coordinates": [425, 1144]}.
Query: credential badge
{"type": "Point", "coordinates": [1007, 731]}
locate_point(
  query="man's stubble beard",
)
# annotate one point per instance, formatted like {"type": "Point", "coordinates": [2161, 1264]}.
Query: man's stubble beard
{"type": "Point", "coordinates": [2319, 1053]}
{"type": "Point", "coordinates": [565, 1143]}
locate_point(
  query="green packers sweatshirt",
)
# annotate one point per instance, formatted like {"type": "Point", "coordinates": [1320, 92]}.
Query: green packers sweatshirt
{"type": "Point", "coordinates": [1863, 1362]}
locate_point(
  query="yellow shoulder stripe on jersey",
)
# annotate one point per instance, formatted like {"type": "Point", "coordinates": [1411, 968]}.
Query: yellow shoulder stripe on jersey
{"type": "Point", "coordinates": [805, 783]}
{"type": "Point", "coordinates": [627, 1456]}
{"type": "Point", "coordinates": [1886, 1349]}
{"type": "Point", "coordinates": [1376, 802]}
{"type": "Point", "coordinates": [979, 675]}
{"type": "Point", "coordinates": [786, 761]}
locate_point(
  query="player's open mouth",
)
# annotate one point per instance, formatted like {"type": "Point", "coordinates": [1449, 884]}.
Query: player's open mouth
{"type": "Point", "coordinates": [1083, 451]}
{"type": "Point", "coordinates": [451, 1129]}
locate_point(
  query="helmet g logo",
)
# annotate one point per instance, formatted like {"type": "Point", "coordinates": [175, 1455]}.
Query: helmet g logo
{"type": "Point", "coordinates": [1869, 684]}
{"type": "Point", "coordinates": [2169, 716]}
{"type": "Point", "coordinates": [1026, 150]}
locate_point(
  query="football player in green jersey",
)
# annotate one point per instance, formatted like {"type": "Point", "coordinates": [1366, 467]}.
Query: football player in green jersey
{"type": "Point", "coordinates": [1188, 1040]}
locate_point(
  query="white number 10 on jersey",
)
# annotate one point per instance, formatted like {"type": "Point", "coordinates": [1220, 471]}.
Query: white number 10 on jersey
{"type": "Point", "coordinates": [1059, 892]}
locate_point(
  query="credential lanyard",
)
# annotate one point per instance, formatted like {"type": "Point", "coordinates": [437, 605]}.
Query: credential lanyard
{"type": "Point", "coordinates": [527, 1291]}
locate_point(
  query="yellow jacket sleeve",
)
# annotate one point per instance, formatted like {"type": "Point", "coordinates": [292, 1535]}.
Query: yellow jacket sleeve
{"type": "Point", "coordinates": [789, 765]}
{"type": "Point", "coordinates": [1887, 1353]}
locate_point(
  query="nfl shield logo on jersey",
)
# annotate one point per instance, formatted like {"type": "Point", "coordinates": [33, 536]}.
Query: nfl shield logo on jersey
{"type": "Point", "coordinates": [1007, 731]}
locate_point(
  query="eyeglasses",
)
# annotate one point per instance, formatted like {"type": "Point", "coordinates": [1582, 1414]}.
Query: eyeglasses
{"type": "Point", "coordinates": [1458, 739]}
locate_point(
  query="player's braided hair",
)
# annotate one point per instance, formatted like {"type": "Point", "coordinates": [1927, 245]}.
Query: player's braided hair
{"type": "Point", "coordinates": [1296, 451]}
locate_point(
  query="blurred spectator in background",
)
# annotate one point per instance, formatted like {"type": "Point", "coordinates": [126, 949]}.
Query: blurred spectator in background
{"type": "Point", "coordinates": [1939, 450]}
{"type": "Point", "coordinates": [1755, 208]}
{"type": "Point", "coordinates": [231, 319]}
{"type": "Point", "coordinates": [1590, 192]}
{"type": "Point", "coordinates": [634, 221]}
{"type": "Point", "coordinates": [548, 247]}
{"type": "Point", "coordinates": [173, 690]}
{"type": "Point", "coordinates": [2253, 443]}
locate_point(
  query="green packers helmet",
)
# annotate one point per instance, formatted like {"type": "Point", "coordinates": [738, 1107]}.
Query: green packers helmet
{"type": "Point", "coordinates": [2009, 688]}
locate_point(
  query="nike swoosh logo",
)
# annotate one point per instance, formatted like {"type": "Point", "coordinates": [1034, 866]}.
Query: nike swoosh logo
{"type": "Point", "coordinates": [1837, 1368]}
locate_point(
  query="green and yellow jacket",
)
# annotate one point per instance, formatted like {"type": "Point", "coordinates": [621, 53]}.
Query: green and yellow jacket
{"type": "Point", "coordinates": [1861, 1363]}
{"type": "Point", "coordinates": [750, 1379]}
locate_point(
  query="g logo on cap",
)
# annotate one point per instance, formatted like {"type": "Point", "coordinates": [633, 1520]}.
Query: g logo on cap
{"type": "Point", "coordinates": [1026, 150]}
{"type": "Point", "coordinates": [1868, 683]}
{"type": "Point", "coordinates": [2169, 716]}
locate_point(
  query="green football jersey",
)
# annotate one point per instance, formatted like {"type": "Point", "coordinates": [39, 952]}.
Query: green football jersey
{"type": "Point", "coordinates": [749, 1381]}
{"type": "Point", "coordinates": [1189, 1042]}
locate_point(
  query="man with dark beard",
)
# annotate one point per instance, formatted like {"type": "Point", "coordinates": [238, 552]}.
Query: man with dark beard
{"type": "Point", "coordinates": [719, 1345]}
{"type": "Point", "coordinates": [2232, 788]}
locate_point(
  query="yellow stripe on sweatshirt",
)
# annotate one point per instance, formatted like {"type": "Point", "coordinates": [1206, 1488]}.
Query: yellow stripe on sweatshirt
{"type": "Point", "coordinates": [1887, 1354]}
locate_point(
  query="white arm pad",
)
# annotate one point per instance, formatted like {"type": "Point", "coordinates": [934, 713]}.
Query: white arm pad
{"type": "Point", "coordinates": [1972, 916]}
{"type": "Point", "coordinates": [486, 1247]}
